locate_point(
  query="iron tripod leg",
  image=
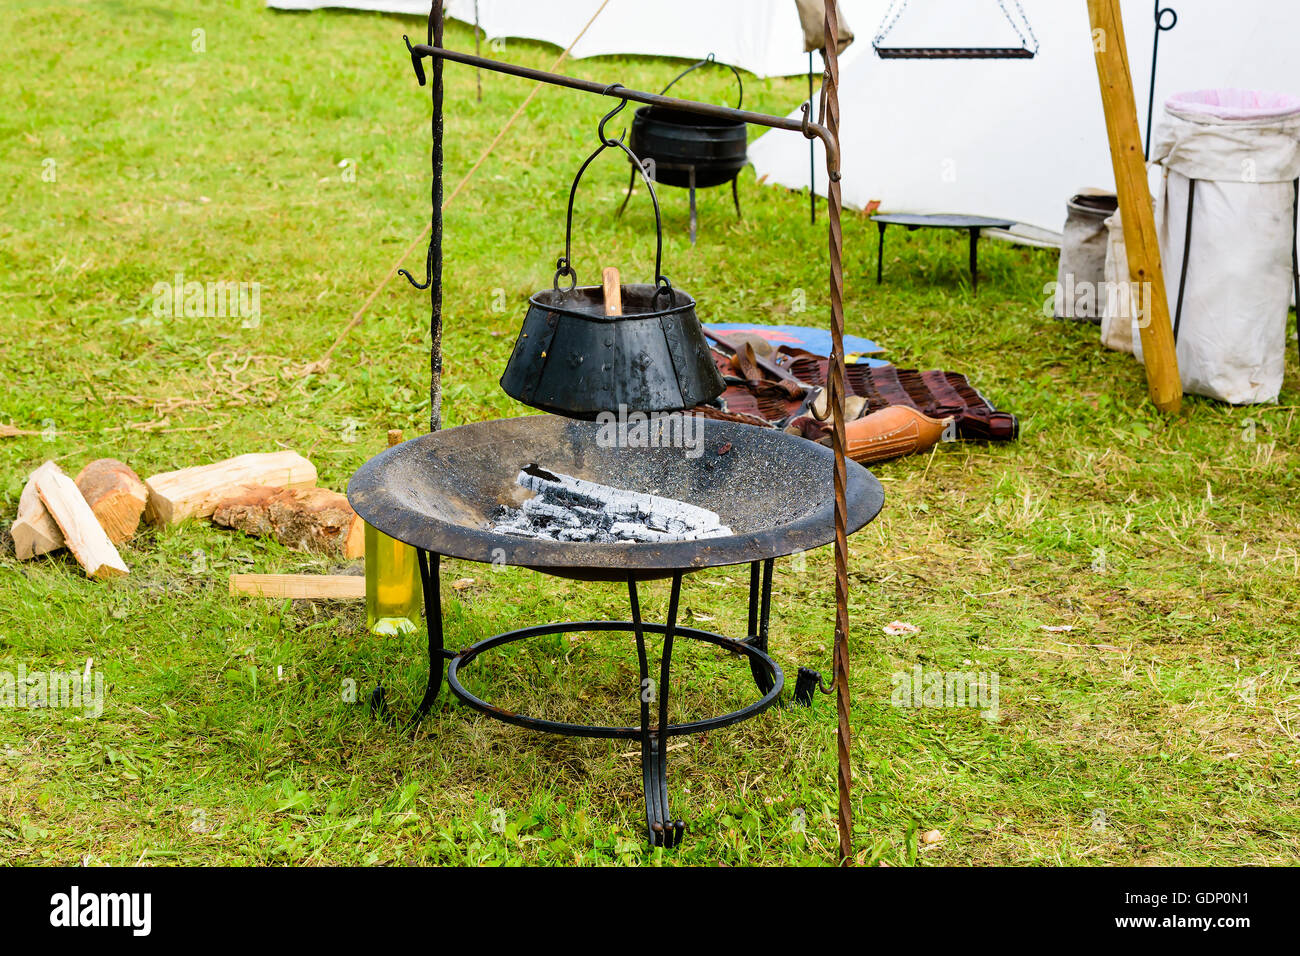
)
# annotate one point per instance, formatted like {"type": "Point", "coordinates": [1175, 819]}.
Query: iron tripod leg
{"type": "Point", "coordinates": [760, 607]}
{"type": "Point", "coordinates": [429, 580]}
{"type": "Point", "coordinates": [974, 260]}
{"type": "Point", "coordinates": [662, 830]}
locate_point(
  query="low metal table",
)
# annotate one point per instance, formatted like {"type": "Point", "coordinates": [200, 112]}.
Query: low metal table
{"type": "Point", "coordinates": [914, 221]}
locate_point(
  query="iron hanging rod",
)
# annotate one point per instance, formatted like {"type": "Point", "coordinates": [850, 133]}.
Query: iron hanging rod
{"type": "Point", "coordinates": [953, 53]}
{"type": "Point", "coordinates": [805, 125]}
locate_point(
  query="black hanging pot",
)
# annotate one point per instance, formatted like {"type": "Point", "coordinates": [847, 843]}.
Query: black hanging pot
{"type": "Point", "coordinates": [676, 141]}
{"type": "Point", "coordinates": [573, 359]}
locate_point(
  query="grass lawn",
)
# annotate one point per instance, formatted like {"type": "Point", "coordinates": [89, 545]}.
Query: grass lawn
{"type": "Point", "coordinates": [292, 152]}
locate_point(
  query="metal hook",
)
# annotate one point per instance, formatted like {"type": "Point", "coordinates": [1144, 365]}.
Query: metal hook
{"type": "Point", "coordinates": [600, 130]}
{"type": "Point", "coordinates": [564, 266]}
{"type": "Point", "coordinates": [428, 270]}
{"type": "Point", "coordinates": [415, 60]}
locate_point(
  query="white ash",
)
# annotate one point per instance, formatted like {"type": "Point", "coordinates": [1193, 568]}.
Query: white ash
{"type": "Point", "coordinates": [565, 508]}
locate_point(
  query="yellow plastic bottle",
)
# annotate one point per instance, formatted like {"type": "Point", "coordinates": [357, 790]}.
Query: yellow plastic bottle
{"type": "Point", "coordinates": [394, 597]}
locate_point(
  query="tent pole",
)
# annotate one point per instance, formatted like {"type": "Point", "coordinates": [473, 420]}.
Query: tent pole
{"type": "Point", "coordinates": [478, 74]}
{"type": "Point", "coordinates": [837, 373]}
{"type": "Point", "coordinates": [1145, 271]}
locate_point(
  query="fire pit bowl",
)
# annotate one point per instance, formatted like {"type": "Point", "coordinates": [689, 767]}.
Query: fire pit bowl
{"type": "Point", "coordinates": [444, 493]}
{"type": "Point", "coordinates": [440, 492]}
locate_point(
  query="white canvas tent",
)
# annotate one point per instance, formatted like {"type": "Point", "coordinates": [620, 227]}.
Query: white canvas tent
{"type": "Point", "coordinates": [1015, 138]}
{"type": "Point", "coordinates": [761, 36]}
{"type": "Point", "coordinates": [1006, 138]}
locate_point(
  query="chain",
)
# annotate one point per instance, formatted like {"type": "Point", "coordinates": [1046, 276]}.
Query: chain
{"type": "Point", "coordinates": [897, 8]}
{"type": "Point", "coordinates": [1016, 26]}
{"type": "Point", "coordinates": [886, 23]}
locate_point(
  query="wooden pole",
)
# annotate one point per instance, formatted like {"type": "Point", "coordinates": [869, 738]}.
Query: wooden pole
{"type": "Point", "coordinates": [1158, 351]}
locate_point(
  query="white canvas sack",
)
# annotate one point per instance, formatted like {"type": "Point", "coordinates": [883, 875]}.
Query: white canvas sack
{"type": "Point", "coordinates": [1238, 151]}
{"type": "Point", "coordinates": [1116, 305]}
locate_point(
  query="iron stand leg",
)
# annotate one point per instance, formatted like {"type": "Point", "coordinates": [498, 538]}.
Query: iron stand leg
{"type": "Point", "coordinates": [630, 184]}
{"type": "Point", "coordinates": [429, 579]}
{"type": "Point", "coordinates": [735, 196]}
{"type": "Point", "coordinates": [880, 253]}
{"type": "Point", "coordinates": [661, 829]}
{"type": "Point", "coordinates": [760, 608]}
{"type": "Point", "coordinates": [691, 173]}
{"type": "Point", "coordinates": [974, 261]}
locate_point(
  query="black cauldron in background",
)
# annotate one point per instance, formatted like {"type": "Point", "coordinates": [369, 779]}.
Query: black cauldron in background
{"type": "Point", "coordinates": [683, 145]}
{"type": "Point", "coordinates": [688, 150]}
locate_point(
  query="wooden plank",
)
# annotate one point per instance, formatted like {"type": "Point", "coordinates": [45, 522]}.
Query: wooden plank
{"type": "Point", "coordinates": [336, 587]}
{"type": "Point", "coordinates": [195, 492]}
{"type": "Point", "coordinates": [1158, 351]}
{"type": "Point", "coordinates": [116, 494]}
{"type": "Point", "coordinates": [81, 531]}
{"type": "Point", "coordinates": [34, 531]}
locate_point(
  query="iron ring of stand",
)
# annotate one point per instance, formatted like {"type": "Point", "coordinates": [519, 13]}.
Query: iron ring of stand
{"type": "Point", "coordinates": [662, 829]}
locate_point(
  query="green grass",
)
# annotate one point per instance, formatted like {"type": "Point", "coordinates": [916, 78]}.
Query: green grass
{"type": "Point", "coordinates": [1162, 729]}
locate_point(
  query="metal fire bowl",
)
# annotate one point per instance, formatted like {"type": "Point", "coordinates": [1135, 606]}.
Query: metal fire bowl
{"type": "Point", "coordinates": [775, 491]}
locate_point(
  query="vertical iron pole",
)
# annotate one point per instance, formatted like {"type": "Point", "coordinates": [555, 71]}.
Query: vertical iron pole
{"type": "Point", "coordinates": [812, 151]}
{"type": "Point", "coordinates": [837, 373]}
{"type": "Point", "coordinates": [1155, 55]}
{"type": "Point", "coordinates": [435, 238]}
{"type": "Point", "coordinates": [1151, 94]}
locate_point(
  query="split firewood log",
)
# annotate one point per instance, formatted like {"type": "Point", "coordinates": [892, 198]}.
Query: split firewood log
{"type": "Point", "coordinates": [81, 531]}
{"type": "Point", "coordinates": [305, 519]}
{"type": "Point", "coordinates": [195, 492]}
{"type": "Point", "coordinates": [115, 494]}
{"type": "Point", "coordinates": [34, 531]}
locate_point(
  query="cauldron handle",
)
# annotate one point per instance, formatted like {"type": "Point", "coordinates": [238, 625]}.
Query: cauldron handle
{"type": "Point", "coordinates": [711, 58]}
{"type": "Point", "coordinates": [564, 266]}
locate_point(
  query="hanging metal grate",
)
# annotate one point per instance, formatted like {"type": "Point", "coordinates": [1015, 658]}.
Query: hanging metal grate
{"type": "Point", "coordinates": [1027, 50]}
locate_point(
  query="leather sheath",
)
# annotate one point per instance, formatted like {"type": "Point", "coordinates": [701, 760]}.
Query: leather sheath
{"type": "Point", "coordinates": [890, 433]}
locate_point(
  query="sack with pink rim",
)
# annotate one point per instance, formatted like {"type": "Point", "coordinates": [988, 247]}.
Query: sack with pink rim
{"type": "Point", "coordinates": [1226, 219]}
